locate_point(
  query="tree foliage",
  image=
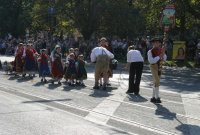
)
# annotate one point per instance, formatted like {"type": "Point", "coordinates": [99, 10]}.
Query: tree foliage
{"type": "Point", "coordinates": [123, 18]}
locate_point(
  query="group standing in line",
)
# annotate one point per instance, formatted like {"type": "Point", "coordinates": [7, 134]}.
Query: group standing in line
{"type": "Point", "coordinates": [29, 61]}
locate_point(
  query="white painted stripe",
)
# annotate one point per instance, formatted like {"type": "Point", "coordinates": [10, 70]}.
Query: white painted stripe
{"type": "Point", "coordinates": [107, 107]}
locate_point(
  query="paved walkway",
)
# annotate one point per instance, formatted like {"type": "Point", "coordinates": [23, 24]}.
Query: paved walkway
{"type": "Point", "coordinates": [179, 112]}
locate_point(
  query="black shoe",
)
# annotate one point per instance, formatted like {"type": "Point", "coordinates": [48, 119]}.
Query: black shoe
{"type": "Point", "coordinates": [108, 84]}
{"type": "Point", "coordinates": [73, 84]}
{"type": "Point", "coordinates": [101, 85]}
{"type": "Point", "coordinates": [153, 100]}
{"type": "Point", "coordinates": [128, 92]}
{"type": "Point", "coordinates": [96, 87]}
{"type": "Point", "coordinates": [82, 84]}
{"type": "Point", "coordinates": [78, 83]}
{"type": "Point", "coordinates": [45, 81]}
{"type": "Point", "coordinates": [23, 75]}
{"type": "Point", "coordinates": [59, 82]}
{"type": "Point", "coordinates": [41, 80]}
{"type": "Point", "coordinates": [158, 101]}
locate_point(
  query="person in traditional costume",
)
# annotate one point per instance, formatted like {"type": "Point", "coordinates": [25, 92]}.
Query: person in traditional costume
{"type": "Point", "coordinates": [30, 55]}
{"type": "Point", "coordinates": [19, 61]}
{"type": "Point", "coordinates": [44, 66]}
{"type": "Point", "coordinates": [155, 56]}
{"type": "Point", "coordinates": [57, 64]}
{"type": "Point", "coordinates": [70, 73]}
{"type": "Point", "coordinates": [76, 53]}
{"type": "Point", "coordinates": [81, 71]}
{"type": "Point", "coordinates": [110, 71]}
{"type": "Point", "coordinates": [71, 50]}
{"type": "Point", "coordinates": [101, 56]}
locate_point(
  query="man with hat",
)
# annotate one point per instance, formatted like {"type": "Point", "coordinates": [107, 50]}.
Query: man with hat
{"type": "Point", "coordinates": [101, 56]}
{"type": "Point", "coordinates": [155, 56]}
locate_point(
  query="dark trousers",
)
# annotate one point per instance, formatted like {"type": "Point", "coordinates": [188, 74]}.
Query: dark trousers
{"type": "Point", "coordinates": [135, 74]}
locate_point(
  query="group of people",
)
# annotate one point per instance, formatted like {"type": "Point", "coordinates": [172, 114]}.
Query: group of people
{"type": "Point", "coordinates": [29, 61]}
{"type": "Point", "coordinates": [135, 63]}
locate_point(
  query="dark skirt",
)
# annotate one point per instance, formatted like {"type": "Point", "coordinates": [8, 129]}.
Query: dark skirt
{"type": "Point", "coordinates": [81, 74]}
{"type": "Point", "coordinates": [57, 69]}
{"type": "Point", "coordinates": [70, 73]}
{"type": "Point", "coordinates": [19, 64]}
{"type": "Point", "coordinates": [30, 65]}
{"type": "Point", "coordinates": [44, 70]}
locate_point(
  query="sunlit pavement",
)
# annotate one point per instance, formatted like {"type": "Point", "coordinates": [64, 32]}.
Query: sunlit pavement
{"type": "Point", "coordinates": [179, 112]}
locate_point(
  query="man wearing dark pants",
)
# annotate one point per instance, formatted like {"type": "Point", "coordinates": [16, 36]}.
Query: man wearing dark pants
{"type": "Point", "coordinates": [135, 60]}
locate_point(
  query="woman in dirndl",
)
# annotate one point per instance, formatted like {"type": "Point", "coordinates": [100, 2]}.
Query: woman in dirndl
{"type": "Point", "coordinates": [57, 64]}
{"type": "Point", "coordinates": [30, 60]}
{"type": "Point", "coordinates": [19, 62]}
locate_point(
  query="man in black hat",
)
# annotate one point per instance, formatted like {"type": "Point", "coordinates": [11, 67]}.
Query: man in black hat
{"type": "Point", "coordinates": [155, 56]}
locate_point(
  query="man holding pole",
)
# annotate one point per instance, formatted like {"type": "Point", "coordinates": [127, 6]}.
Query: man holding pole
{"type": "Point", "coordinates": [155, 56]}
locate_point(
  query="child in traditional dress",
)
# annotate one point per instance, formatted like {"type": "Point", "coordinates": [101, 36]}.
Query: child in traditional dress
{"type": "Point", "coordinates": [71, 50]}
{"type": "Point", "coordinates": [71, 70]}
{"type": "Point", "coordinates": [44, 66]}
{"type": "Point", "coordinates": [81, 71]}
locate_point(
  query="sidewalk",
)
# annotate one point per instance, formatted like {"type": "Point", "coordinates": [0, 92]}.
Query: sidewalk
{"type": "Point", "coordinates": [178, 113]}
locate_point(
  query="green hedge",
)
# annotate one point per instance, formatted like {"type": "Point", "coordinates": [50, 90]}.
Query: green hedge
{"type": "Point", "coordinates": [189, 64]}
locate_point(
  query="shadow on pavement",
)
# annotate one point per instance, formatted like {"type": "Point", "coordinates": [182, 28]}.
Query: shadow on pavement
{"type": "Point", "coordinates": [136, 98]}
{"type": "Point", "coordinates": [100, 93]}
{"type": "Point", "coordinates": [13, 77]}
{"type": "Point", "coordinates": [24, 79]}
{"type": "Point", "coordinates": [45, 101]}
{"type": "Point", "coordinates": [39, 84]}
{"type": "Point", "coordinates": [164, 112]}
{"type": "Point", "coordinates": [188, 129]}
{"type": "Point", "coordinates": [53, 86]}
{"type": "Point", "coordinates": [69, 88]}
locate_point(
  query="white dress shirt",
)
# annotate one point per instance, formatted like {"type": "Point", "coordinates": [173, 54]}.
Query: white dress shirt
{"type": "Point", "coordinates": [153, 60]}
{"type": "Point", "coordinates": [100, 51]}
{"type": "Point", "coordinates": [134, 56]}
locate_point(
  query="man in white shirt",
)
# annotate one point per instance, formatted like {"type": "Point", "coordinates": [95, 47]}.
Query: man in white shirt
{"type": "Point", "coordinates": [101, 56]}
{"type": "Point", "coordinates": [135, 60]}
{"type": "Point", "coordinates": [155, 56]}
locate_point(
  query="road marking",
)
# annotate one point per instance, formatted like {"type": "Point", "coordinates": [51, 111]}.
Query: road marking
{"type": "Point", "coordinates": [136, 124]}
